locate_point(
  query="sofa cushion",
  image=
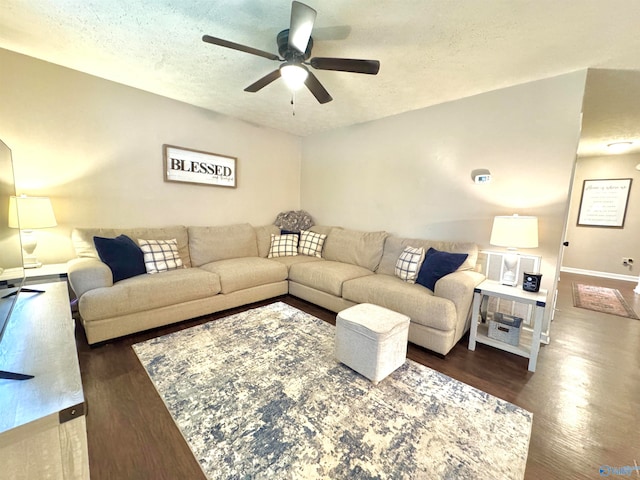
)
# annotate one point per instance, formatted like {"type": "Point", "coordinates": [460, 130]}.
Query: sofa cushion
{"type": "Point", "coordinates": [240, 273]}
{"type": "Point", "coordinates": [363, 249]}
{"type": "Point", "coordinates": [122, 255]}
{"type": "Point", "coordinates": [210, 244]}
{"type": "Point", "coordinates": [408, 298]}
{"type": "Point", "coordinates": [311, 243]}
{"type": "Point", "coordinates": [146, 292]}
{"type": "Point", "coordinates": [409, 263]}
{"type": "Point", "coordinates": [436, 265]}
{"type": "Point", "coordinates": [326, 276]}
{"type": "Point", "coordinates": [289, 261]}
{"type": "Point", "coordinates": [394, 246]}
{"type": "Point", "coordinates": [82, 239]}
{"type": "Point", "coordinates": [263, 236]}
{"type": "Point", "coordinates": [160, 255]}
{"type": "Point", "coordinates": [323, 229]}
{"type": "Point", "coordinates": [283, 246]}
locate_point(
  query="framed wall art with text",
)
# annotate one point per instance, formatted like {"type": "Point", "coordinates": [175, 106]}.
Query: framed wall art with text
{"type": "Point", "coordinates": [194, 166]}
{"type": "Point", "coordinates": [604, 202]}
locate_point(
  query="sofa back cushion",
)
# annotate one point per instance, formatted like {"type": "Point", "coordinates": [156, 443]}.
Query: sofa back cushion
{"type": "Point", "coordinates": [82, 239]}
{"type": "Point", "coordinates": [323, 229]}
{"type": "Point", "coordinates": [363, 249]}
{"type": "Point", "coordinates": [394, 246]}
{"type": "Point", "coordinates": [210, 244]}
{"type": "Point", "coordinates": [263, 236]}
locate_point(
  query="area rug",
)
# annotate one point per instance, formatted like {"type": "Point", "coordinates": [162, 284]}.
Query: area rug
{"type": "Point", "coordinates": [601, 299]}
{"type": "Point", "coordinates": [259, 395]}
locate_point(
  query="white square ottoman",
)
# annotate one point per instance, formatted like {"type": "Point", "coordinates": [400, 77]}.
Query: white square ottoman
{"type": "Point", "coordinates": [371, 340]}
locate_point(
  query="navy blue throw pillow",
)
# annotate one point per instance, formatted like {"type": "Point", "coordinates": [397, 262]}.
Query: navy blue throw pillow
{"type": "Point", "coordinates": [289, 232]}
{"type": "Point", "coordinates": [122, 255]}
{"type": "Point", "coordinates": [436, 265]}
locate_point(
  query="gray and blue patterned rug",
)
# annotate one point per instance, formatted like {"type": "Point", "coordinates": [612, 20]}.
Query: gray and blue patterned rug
{"type": "Point", "coordinates": [259, 395]}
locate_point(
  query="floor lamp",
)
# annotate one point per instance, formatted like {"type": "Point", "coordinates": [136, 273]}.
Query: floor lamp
{"type": "Point", "coordinates": [513, 232]}
{"type": "Point", "coordinates": [27, 214]}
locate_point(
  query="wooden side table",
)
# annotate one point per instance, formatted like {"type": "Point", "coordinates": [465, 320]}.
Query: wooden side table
{"type": "Point", "coordinates": [529, 346]}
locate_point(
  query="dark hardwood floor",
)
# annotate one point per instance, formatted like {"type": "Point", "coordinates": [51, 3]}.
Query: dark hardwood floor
{"type": "Point", "coordinates": [585, 394]}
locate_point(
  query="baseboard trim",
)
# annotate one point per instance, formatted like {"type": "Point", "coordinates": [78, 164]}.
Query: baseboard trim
{"type": "Point", "coordinates": [594, 273]}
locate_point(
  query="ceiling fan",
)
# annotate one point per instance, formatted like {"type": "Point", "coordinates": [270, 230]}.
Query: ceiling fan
{"type": "Point", "coordinates": [294, 47]}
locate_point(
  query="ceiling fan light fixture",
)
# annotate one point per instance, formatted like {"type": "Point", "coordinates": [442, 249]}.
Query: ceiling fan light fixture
{"type": "Point", "coordinates": [294, 75]}
{"type": "Point", "coordinates": [619, 147]}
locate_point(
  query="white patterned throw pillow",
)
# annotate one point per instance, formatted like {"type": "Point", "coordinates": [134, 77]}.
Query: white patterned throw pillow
{"type": "Point", "coordinates": [160, 255]}
{"type": "Point", "coordinates": [283, 246]}
{"type": "Point", "coordinates": [408, 264]}
{"type": "Point", "coordinates": [311, 243]}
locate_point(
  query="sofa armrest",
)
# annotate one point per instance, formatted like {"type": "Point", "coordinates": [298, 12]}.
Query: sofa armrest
{"type": "Point", "coordinates": [87, 274]}
{"type": "Point", "coordinates": [458, 287]}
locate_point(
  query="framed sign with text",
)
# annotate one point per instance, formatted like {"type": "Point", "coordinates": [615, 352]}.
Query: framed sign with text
{"type": "Point", "coordinates": [194, 166]}
{"type": "Point", "coordinates": [604, 203]}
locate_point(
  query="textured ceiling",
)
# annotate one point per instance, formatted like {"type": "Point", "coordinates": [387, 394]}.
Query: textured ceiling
{"type": "Point", "coordinates": [431, 51]}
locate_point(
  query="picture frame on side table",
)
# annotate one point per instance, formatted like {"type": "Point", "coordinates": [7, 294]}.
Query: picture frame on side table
{"type": "Point", "coordinates": [604, 203]}
{"type": "Point", "coordinates": [195, 166]}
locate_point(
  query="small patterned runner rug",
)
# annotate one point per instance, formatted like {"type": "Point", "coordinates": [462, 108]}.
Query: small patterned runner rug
{"type": "Point", "coordinates": [601, 299]}
{"type": "Point", "coordinates": [259, 395]}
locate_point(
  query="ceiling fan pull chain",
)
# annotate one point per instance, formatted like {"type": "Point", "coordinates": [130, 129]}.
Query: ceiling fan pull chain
{"type": "Point", "coordinates": [293, 105]}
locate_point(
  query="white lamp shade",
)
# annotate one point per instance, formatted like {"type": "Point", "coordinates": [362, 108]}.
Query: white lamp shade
{"type": "Point", "coordinates": [28, 213]}
{"type": "Point", "coordinates": [515, 232]}
{"type": "Point", "coordinates": [294, 75]}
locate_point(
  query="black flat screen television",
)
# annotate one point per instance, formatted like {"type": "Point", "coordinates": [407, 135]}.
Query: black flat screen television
{"type": "Point", "coordinates": [11, 266]}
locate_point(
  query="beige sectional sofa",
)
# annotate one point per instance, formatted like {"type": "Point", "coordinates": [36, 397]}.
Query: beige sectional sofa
{"type": "Point", "coordinates": [227, 266]}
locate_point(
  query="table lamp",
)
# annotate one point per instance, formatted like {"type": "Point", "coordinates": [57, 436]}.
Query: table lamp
{"type": "Point", "coordinates": [513, 232]}
{"type": "Point", "coordinates": [27, 214]}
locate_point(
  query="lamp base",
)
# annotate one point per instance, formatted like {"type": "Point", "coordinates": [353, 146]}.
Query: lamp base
{"type": "Point", "coordinates": [508, 282]}
{"type": "Point", "coordinates": [509, 274]}
{"type": "Point", "coordinates": [29, 244]}
{"type": "Point", "coordinates": [32, 264]}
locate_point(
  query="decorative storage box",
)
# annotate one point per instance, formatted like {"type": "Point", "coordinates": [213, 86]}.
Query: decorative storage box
{"type": "Point", "coordinates": [371, 340]}
{"type": "Point", "coordinates": [505, 328]}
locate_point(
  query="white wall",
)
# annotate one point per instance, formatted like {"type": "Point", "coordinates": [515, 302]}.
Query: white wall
{"type": "Point", "coordinates": [411, 174]}
{"type": "Point", "coordinates": [599, 250]}
{"type": "Point", "coordinates": [95, 147]}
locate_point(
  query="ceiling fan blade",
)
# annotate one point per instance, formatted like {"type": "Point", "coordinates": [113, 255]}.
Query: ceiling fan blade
{"type": "Point", "coordinates": [302, 20]}
{"type": "Point", "coordinates": [370, 67]}
{"type": "Point", "coordinates": [263, 82]}
{"type": "Point", "coordinates": [315, 87]}
{"type": "Point", "coordinates": [237, 46]}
